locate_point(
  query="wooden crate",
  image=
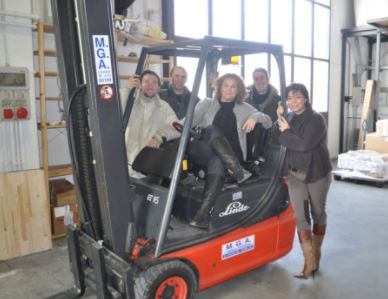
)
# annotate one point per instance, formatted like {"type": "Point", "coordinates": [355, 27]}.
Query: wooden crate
{"type": "Point", "coordinates": [58, 218]}
{"type": "Point", "coordinates": [24, 214]}
{"type": "Point", "coordinates": [61, 192]}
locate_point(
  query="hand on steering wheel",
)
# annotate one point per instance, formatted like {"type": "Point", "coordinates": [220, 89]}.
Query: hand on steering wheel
{"type": "Point", "coordinates": [179, 127]}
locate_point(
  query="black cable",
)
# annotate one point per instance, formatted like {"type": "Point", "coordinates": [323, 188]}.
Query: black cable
{"type": "Point", "coordinates": [80, 153]}
{"type": "Point", "coordinates": [68, 123]}
{"type": "Point", "coordinates": [73, 157]}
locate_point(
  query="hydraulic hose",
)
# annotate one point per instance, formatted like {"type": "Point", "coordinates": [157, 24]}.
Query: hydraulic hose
{"type": "Point", "coordinates": [82, 160]}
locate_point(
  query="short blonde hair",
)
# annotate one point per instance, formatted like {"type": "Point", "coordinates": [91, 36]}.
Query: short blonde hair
{"type": "Point", "coordinates": [242, 92]}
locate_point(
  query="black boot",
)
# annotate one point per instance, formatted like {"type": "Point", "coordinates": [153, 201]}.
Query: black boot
{"type": "Point", "coordinates": [213, 186]}
{"type": "Point", "coordinates": [222, 149]}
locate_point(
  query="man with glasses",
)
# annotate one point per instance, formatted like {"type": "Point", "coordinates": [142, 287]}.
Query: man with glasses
{"type": "Point", "coordinates": [262, 95]}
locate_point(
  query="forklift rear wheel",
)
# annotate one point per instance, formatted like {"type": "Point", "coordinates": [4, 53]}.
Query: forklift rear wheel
{"type": "Point", "coordinates": [171, 279]}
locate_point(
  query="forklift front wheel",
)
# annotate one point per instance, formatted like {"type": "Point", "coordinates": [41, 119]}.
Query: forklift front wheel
{"type": "Point", "coordinates": [171, 279]}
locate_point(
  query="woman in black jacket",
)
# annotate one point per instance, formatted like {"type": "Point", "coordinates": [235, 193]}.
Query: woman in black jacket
{"type": "Point", "coordinates": [307, 165]}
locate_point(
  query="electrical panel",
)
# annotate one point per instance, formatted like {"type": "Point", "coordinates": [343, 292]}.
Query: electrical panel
{"type": "Point", "coordinates": [14, 94]}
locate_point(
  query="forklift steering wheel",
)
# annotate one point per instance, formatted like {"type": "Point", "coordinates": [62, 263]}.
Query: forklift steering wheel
{"type": "Point", "coordinates": [179, 127]}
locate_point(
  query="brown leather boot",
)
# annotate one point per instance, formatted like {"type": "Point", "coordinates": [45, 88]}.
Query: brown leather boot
{"type": "Point", "coordinates": [305, 239]}
{"type": "Point", "coordinates": [317, 240]}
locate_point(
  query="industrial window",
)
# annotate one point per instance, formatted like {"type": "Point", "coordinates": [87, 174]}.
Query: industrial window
{"type": "Point", "coordinates": [190, 18]}
{"type": "Point", "coordinates": [226, 18]}
{"type": "Point", "coordinates": [302, 27]}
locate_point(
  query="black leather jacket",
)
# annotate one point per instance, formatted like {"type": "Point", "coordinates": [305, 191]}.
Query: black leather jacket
{"type": "Point", "coordinates": [178, 102]}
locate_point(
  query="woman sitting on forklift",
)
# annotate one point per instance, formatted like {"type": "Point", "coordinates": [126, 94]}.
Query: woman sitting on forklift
{"type": "Point", "coordinates": [226, 119]}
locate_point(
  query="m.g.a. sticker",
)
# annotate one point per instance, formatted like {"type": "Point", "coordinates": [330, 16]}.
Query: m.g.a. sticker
{"type": "Point", "coordinates": [102, 59]}
{"type": "Point", "coordinates": [237, 247]}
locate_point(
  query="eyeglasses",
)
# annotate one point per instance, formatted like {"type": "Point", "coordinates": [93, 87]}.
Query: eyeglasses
{"type": "Point", "coordinates": [292, 98]}
{"type": "Point", "coordinates": [259, 79]}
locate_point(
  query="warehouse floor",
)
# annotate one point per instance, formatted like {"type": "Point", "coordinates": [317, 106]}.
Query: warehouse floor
{"type": "Point", "coordinates": [354, 263]}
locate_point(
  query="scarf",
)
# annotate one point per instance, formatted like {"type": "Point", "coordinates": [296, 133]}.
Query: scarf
{"type": "Point", "coordinates": [258, 98]}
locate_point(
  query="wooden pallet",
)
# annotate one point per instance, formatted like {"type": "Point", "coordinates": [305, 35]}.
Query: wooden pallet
{"type": "Point", "coordinates": [358, 177]}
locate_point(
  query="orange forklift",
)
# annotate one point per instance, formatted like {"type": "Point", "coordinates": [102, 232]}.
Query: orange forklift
{"type": "Point", "coordinates": [134, 239]}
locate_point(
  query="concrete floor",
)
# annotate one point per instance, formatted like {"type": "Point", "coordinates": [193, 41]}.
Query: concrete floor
{"type": "Point", "coordinates": [354, 263]}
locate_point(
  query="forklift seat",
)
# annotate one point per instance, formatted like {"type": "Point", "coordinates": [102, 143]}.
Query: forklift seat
{"type": "Point", "coordinates": [157, 162]}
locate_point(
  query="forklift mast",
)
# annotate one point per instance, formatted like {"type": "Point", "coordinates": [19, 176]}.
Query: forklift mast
{"type": "Point", "coordinates": [89, 83]}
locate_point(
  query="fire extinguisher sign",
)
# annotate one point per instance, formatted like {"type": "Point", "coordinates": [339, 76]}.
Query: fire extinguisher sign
{"type": "Point", "coordinates": [102, 59]}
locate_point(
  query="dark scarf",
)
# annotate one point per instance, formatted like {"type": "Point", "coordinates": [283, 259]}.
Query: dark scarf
{"type": "Point", "coordinates": [258, 98]}
{"type": "Point", "coordinates": [225, 121]}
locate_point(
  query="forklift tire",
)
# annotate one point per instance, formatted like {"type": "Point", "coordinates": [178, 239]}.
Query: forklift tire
{"type": "Point", "coordinates": [171, 279]}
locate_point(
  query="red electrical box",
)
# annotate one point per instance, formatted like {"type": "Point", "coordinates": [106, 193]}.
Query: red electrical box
{"type": "Point", "coordinates": [14, 94]}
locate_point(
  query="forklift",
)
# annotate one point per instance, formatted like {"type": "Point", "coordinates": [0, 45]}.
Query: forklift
{"type": "Point", "coordinates": [134, 238]}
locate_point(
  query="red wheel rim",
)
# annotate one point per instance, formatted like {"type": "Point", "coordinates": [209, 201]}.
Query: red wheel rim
{"type": "Point", "coordinates": [174, 287]}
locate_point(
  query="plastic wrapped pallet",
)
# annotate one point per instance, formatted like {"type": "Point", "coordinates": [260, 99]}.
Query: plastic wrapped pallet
{"type": "Point", "coordinates": [369, 162]}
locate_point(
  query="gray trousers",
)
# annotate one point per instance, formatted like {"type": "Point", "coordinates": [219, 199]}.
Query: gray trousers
{"type": "Point", "coordinates": [309, 201]}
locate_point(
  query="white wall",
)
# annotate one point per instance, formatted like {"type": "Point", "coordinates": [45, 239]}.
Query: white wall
{"type": "Point", "coordinates": [342, 16]}
{"type": "Point", "coordinates": [18, 139]}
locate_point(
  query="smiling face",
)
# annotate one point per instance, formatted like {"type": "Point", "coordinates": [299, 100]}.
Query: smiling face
{"type": "Point", "coordinates": [261, 81]}
{"type": "Point", "coordinates": [296, 101]}
{"type": "Point", "coordinates": [150, 85]}
{"type": "Point", "coordinates": [229, 90]}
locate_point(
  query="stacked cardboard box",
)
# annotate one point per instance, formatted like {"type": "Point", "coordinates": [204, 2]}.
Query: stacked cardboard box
{"type": "Point", "coordinates": [378, 141]}
{"type": "Point", "coordinates": [64, 209]}
{"type": "Point", "coordinates": [382, 127]}
{"type": "Point", "coordinates": [375, 142]}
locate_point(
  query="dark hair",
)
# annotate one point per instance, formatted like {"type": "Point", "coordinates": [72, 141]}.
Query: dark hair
{"type": "Point", "coordinates": [260, 70]}
{"type": "Point", "coordinates": [177, 67]}
{"type": "Point", "coordinates": [149, 72]}
{"type": "Point", "coordinates": [293, 87]}
{"type": "Point", "coordinates": [242, 92]}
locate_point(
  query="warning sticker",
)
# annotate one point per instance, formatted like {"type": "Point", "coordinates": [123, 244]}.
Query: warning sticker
{"type": "Point", "coordinates": [102, 59]}
{"type": "Point", "coordinates": [237, 247]}
{"type": "Point", "coordinates": [106, 92]}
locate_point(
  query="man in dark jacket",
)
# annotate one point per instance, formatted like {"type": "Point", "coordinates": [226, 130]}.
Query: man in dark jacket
{"type": "Point", "coordinates": [177, 94]}
{"type": "Point", "coordinates": [262, 95]}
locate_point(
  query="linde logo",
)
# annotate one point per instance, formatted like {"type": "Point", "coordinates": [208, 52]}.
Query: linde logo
{"type": "Point", "coordinates": [234, 208]}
